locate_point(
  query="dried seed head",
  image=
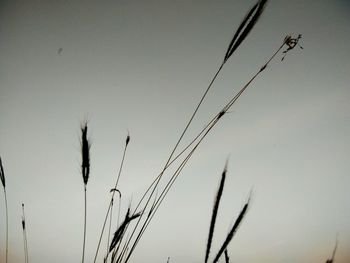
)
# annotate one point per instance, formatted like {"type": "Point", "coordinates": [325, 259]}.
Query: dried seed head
{"type": "Point", "coordinates": [215, 212]}
{"type": "Point", "coordinates": [23, 218]}
{"type": "Point", "coordinates": [2, 174]}
{"type": "Point", "coordinates": [221, 113]}
{"type": "Point", "coordinates": [85, 154]}
{"type": "Point", "coordinates": [23, 224]}
{"type": "Point", "coordinates": [127, 139]}
{"type": "Point", "coordinates": [232, 232]}
{"type": "Point", "coordinates": [118, 235]}
{"type": "Point", "coordinates": [245, 27]}
{"type": "Point", "coordinates": [291, 43]}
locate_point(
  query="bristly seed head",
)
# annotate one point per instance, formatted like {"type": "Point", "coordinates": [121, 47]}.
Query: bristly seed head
{"type": "Point", "coordinates": [221, 113]}
{"type": "Point", "coordinates": [245, 27]}
{"type": "Point", "coordinates": [118, 235]}
{"type": "Point", "coordinates": [2, 174]}
{"type": "Point", "coordinates": [23, 218]}
{"type": "Point", "coordinates": [127, 139]}
{"type": "Point", "coordinates": [85, 154]}
{"type": "Point", "coordinates": [291, 43]}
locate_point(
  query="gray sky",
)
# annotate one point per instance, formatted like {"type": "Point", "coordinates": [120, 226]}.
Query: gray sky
{"type": "Point", "coordinates": [141, 66]}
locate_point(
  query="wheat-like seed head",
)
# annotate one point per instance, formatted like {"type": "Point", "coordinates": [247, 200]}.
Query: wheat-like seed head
{"type": "Point", "coordinates": [2, 174]}
{"type": "Point", "coordinates": [85, 154]}
{"type": "Point", "coordinates": [127, 139]}
{"type": "Point", "coordinates": [215, 212]}
{"type": "Point", "coordinates": [245, 27]}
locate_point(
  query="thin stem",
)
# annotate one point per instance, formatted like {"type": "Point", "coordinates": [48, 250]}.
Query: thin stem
{"type": "Point", "coordinates": [120, 203]}
{"type": "Point", "coordinates": [26, 247]}
{"type": "Point", "coordinates": [26, 257]}
{"type": "Point", "coordinates": [150, 215]}
{"type": "Point", "coordinates": [195, 111]}
{"type": "Point", "coordinates": [25, 250]}
{"type": "Point", "coordinates": [167, 188]}
{"type": "Point", "coordinates": [84, 224]}
{"type": "Point", "coordinates": [157, 180]}
{"type": "Point", "coordinates": [103, 227]}
{"type": "Point", "coordinates": [212, 123]}
{"type": "Point", "coordinates": [173, 160]}
{"type": "Point", "coordinates": [111, 202]}
{"type": "Point", "coordinates": [7, 226]}
{"type": "Point", "coordinates": [109, 229]}
{"type": "Point", "coordinates": [186, 128]}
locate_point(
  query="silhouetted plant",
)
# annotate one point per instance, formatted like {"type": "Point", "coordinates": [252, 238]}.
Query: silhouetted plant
{"type": "Point", "coordinates": [227, 259]}
{"type": "Point", "coordinates": [85, 171]}
{"type": "Point", "coordinates": [110, 206]}
{"type": "Point", "coordinates": [3, 182]}
{"type": "Point", "coordinates": [331, 260]}
{"type": "Point", "coordinates": [125, 241]}
{"type": "Point", "coordinates": [243, 31]}
{"type": "Point", "coordinates": [215, 212]}
{"type": "Point", "coordinates": [291, 44]}
{"type": "Point", "coordinates": [233, 230]}
{"type": "Point", "coordinates": [25, 241]}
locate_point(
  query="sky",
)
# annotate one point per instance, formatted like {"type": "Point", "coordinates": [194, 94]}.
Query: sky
{"type": "Point", "coordinates": [141, 67]}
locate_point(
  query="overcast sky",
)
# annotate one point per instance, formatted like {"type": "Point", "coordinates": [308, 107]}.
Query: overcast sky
{"type": "Point", "coordinates": [141, 66]}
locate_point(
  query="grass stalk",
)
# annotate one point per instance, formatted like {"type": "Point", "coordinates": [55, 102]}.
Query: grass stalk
{"type": "Point", "coordinates": [84, 235]}
{"type": "Point", "coordinates": [156, 205]}
{"type": "Point", "coordinates": [115, 189]}
{"type": "Point", "coordinates": [214, 213]}
{"type": "Point", "coordinates": [110, 220]}
{"type": "Point", "coordinates": [109, 228]}
{"type": "Point", "coordinates": [7, 225]}
{"type": "Point", "coordinates": [119, 233]}
{"type": "Point", "coordinates": [25, 241]}
{"type": "Point", "coordinates": [238, 38]}
{"type": "Point", "coordinates": [196, 142]}
{"type": "Point", "coordinates": [227, 258]}
{"type": "Point", "coordinates": [331, 260]}
{"type": "Point", "coordinates": [155, 184]}
{"type": "Point", "coordinates": [85, 170]}
{"type": "Point", "coordinates": [232, 232]}
{"type": "Point", "coordinates": [3, 182]}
